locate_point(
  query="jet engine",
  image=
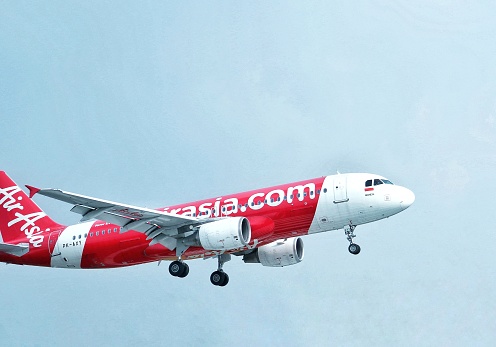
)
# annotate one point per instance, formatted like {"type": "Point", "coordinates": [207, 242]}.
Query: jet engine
{"type": "Point", "coordinates": [225, 234]}
{"type": "Point", "coordinates": [278, 253]}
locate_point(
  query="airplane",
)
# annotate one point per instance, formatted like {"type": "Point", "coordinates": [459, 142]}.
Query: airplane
{"type": "Point", "coordinates": [263, 226]}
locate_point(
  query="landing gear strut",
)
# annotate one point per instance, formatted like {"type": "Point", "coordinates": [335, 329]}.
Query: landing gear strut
{"type": "Point", "coordinates": [219, 277]}
{"type": "Point", "coordinates": [353, 248]}
{"type": "Point", "coordinates": [179, 268]}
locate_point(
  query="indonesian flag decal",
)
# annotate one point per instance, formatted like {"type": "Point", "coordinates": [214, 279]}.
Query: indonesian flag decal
{"type": "Point", "coordinates": [369, 189]}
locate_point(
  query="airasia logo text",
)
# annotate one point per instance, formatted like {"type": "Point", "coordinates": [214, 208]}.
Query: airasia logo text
{"type": "Point", "coordinates": [254, 202]}
{"type": "Point", "coordinates": [27, 222]}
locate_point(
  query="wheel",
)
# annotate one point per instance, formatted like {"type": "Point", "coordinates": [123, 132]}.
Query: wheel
{"type": "Point", "coordinates": [354, 248]}
{"type": "Point", "coordinates": [185, 272]}
{"type": "Point", "coordinates": [218, 278]}
{"type": "Point", "coordinates": [226, 280]}
{"type": "Point", "coordinates": [178, 268]}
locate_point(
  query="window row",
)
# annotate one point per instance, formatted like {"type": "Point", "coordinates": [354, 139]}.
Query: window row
{"type": "Point", "coordinates": [97, 233]}
{"type": "Point", "coordinates": [109, 231]}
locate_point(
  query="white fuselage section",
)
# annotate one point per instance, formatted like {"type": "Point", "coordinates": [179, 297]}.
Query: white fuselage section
{"type": "Point", "coordinates": [69, 246]}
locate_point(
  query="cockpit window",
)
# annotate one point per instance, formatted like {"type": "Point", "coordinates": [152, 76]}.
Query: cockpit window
{"type": "Point", "coordinates": [377, 182]}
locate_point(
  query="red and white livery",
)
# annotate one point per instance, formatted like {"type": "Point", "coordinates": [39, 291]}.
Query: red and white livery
{"type": "Point", "coordinates": [263, 226]}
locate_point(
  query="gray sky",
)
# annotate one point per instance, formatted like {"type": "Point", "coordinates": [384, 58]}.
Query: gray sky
{"type": "Point", "coordinates": [155, 103]}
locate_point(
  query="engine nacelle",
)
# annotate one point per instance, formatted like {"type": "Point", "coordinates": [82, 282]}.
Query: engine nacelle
{"type": "Point", "coordinates": [225, 234]}
{"type": "Point", "coordinates": [278, 253]}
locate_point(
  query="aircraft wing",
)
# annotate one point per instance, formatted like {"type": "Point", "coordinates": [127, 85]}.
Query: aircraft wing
{"type": "Point", "coordinates": [160, 227]}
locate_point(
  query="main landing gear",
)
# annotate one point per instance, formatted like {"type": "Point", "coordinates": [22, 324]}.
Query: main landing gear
{"type": "Point", "coordinates": [179, 268]}
{"type": "Point", "coordinates": [219, 277]}
{"type": "Point", "coordinates": [353, 248]}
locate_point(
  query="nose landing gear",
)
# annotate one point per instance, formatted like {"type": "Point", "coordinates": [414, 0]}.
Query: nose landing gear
{"type": "Point", "coordinates": [353, 248]}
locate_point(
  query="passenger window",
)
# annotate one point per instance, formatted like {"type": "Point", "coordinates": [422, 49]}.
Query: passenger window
{"type": "Point", "coordinates": [115, 230]}
{"type": "Point", "coordinates": [85, 235]}
{"type": "Point", "coordinates": [74, 237]}
{"type": "Point", "coordinates": [96, 233]}
{"type": "Point", "coordinates": [368, 183]}
{"type": "Point", "coordinates": [377, 182]}
{"type": "Point", "coordinates": [318, 191]}
{"type": "Point", "coordinates": [325, 190]}
{"type": "Point", "coordinates": [79, 237]}
{"type": "Point", "coordinates": [103, 232]}
{"type": "Point", "coordinates": [91, 234]}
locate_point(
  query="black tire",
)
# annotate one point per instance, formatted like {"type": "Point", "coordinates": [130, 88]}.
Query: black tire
{"type": "Point", "coordinates": [226, 280]}
{"type": "Point", "coordinates": [177, 268]}
{"type": "Point", "coordinates": [218, 278]}
{"type": "Point", "coordinates": [185, 272]}
{"type": "Point", "coordinates": [354, 248]}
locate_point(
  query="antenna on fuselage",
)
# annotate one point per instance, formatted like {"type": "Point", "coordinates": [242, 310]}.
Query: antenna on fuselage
{"type": "Point", "coordinates": [339, 173]}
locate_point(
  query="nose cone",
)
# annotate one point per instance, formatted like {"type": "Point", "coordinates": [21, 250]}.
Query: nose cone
{"type": "Point", "coordinates": [407, 198]}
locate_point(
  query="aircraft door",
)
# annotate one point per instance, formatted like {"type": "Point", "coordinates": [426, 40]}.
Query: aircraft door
{"type": "Point", "coordinates": [53, 248]}
{"type": "Point", "coordinates": [340, 189]}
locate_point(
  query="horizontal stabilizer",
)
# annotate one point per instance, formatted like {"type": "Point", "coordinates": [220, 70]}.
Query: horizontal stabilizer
{"type": "Point", "coordinates": [17, 250]}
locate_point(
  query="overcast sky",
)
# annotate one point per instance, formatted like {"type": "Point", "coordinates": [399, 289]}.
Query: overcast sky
{"type": "Point", "coordinates": [156, 103]}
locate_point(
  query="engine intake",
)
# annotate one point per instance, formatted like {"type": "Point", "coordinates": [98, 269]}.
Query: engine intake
{"type": "Point", "coordinates": [278, 253]}
{"type": "Point", "coordinates": [225, 234]}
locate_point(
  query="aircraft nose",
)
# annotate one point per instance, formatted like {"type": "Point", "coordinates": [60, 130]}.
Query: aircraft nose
{"type": "Point", "coordinates": [407, 198]}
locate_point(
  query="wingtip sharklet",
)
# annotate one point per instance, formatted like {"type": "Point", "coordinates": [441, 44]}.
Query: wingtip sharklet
{"type": "Point", "coordinates": [32, 190]}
